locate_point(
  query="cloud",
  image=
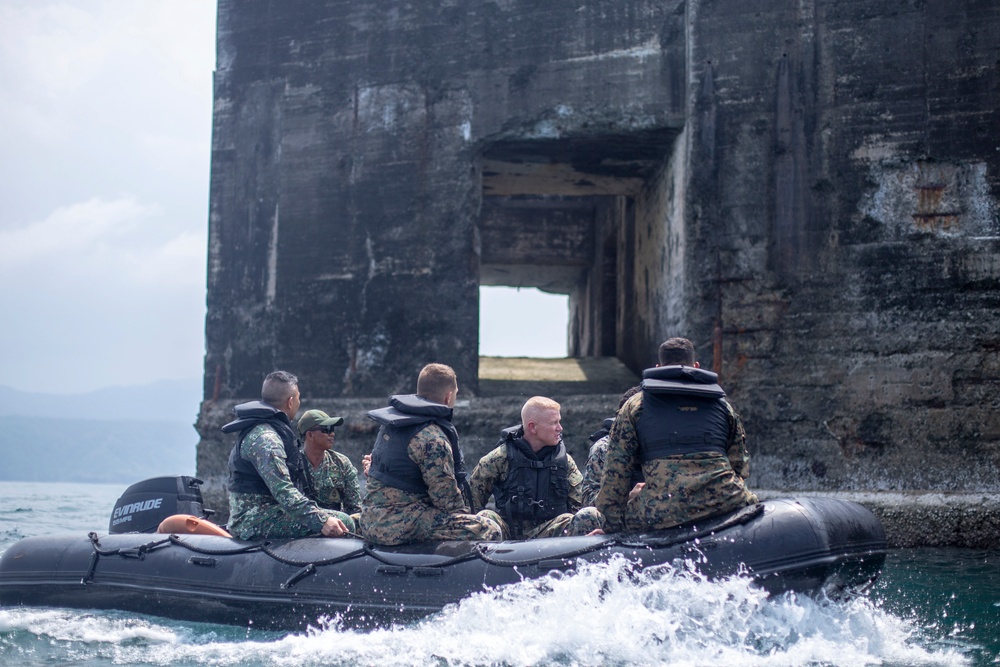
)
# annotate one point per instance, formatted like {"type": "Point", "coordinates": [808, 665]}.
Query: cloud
{"type": "Point", "coordinates": [106, 123]}
{"type": "Point", "coordinates": [101, 293]}
{"type": "Point", "coordinates": [108, 242]}
{"type": "Point", "coordinates": [104, 93]}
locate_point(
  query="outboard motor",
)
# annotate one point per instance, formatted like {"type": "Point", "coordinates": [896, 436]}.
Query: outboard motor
{"type": "Point", "coordinates": [145, 504]}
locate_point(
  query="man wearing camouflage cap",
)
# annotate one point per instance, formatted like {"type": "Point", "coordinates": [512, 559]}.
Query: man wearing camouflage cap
{"type": "Point", "coordinates": [334, 478]}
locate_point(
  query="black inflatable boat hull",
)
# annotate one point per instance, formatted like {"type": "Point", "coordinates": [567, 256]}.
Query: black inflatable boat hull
{"type": "Point", "coordinates": [809, 545]}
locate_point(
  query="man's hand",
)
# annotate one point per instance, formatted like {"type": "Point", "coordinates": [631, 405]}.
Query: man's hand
{"type": "Point", "coordinates": [635, 491]}
{"type": "Point", "coordinates": [333, 527]}
{"type": "Point", "coordinates": [366, 463]}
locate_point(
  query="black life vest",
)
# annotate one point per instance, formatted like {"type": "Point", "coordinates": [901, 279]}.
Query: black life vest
{"type": "Point", "coordinates": [603, 431]}
{"type": "Point", "coordinates": [405, 416]}
{"type": "Point", "coordinates": [683, 412]}
{"type": "Point", "coordinates": [536, 487]}
{"type": "Point", "coordinates": [243, 477]}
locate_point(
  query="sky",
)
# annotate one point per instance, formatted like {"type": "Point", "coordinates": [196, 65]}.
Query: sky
{"type": "Point", "coordinates": [105, 138]}
{"type": "Point", "coordinates": [105, 129]}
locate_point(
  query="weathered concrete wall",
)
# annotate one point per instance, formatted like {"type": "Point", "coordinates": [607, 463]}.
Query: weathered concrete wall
{"type": "Point", "coordinates": [808, 190]}
{"type": "Point", "coordinates": [857, 237]}
{"type": "Point", "coordinates": [346, 178]}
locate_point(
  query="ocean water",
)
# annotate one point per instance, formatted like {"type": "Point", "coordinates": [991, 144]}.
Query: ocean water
{"type": "Point", "coordinates": [931, 607]}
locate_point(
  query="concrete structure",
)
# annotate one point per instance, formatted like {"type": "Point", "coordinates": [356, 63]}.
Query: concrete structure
{"type": "Point", "coordinates": [809, 190]}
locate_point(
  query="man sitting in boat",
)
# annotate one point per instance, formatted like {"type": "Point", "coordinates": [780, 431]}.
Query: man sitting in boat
{"type": "Point", "coordinates": [269, 484]}
{"type": "Point", "coordinates": [537, 486]}
{"type": "Point", "coordinates": [334, 478]}
{"type": "Point", "coordinates": [416, 473]}
{"type": "Point", "coordinates": [688, 441]}
{"type": "Point", "coordinates": [594, 470]}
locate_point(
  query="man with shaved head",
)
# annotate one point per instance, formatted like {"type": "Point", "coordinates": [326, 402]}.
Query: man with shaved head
{"type": "Point", "coordinates": [270, 488]}
{"type": "Point", "coordinates": [537, 486]}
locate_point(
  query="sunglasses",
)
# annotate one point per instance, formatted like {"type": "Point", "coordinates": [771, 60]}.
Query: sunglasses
{"type": "Point", "coordinates": [324, 429]}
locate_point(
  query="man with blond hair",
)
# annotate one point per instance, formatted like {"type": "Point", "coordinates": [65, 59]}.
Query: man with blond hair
{"type": "Point", "coordinates": [537, 486]}
{"type": "Point", "coordinates": [416, 474]}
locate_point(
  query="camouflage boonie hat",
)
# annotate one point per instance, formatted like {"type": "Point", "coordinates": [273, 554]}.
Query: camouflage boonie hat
{"type": "Point", "coordinates": [310, 419]}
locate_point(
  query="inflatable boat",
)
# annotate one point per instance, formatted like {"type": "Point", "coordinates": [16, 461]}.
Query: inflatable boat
{"type": "Point", "coordinates": [809, 545]}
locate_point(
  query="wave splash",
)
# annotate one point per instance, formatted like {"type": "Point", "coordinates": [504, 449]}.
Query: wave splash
{"type": "Point", "coordinates": [602, 614]}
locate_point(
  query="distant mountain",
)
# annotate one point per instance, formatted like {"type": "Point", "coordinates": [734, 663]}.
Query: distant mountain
{"type": "Point", "coordinates": [34, 449]}
{"type": "Point", "coordinates": [171, 400]}
{"type": "Point", "coordinates": [118, 434]}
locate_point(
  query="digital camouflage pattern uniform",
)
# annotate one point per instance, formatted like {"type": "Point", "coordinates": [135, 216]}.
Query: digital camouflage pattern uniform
{"type": "Point", "coordinates": [287, 512]}
{"type": "Point", "coordinates": [492, 470]}
{"type": "Point", "coordinates": [393, 516]}
{"type": "Point", "coordinates": [335, 482]}
{"type": "Point", "coordinates": [679, 488]}
{"type": "Point", "coordinates": [594, 470]}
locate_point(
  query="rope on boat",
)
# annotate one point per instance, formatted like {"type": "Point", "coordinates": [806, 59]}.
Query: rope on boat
{"type": "Point", "coordinates": [266, 548]}
{"type": "Point", "coordinates": [174, 539]}
{"type": "Point", "coordinates": [367, 549]}
{"type": "Point", "coordinates": [138, 553]}
{"type": "Point", "coordinates": [489, 560]}
{"type": "Point", "coordinates": [690, 531]}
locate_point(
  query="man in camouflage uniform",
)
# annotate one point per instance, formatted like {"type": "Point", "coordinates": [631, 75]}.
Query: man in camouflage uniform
{"type": "Point", "coordinates": [268, 479]}
{"type": "Point", "coordinates": [537, 486]}
{"type": "Point", "coordinates": [415, 478]}
{"type": "Point", "coordinates": [594, 469]}
{"type": "Point", "coordinates": [688, 441]}
{"type": "Point", "coordinates": [334, 478]}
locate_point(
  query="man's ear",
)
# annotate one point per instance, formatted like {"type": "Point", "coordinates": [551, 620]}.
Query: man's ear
{"type": "Point", "coordinates": [449, 397]}
{"type": "Point", "coordinates": [696, 365]}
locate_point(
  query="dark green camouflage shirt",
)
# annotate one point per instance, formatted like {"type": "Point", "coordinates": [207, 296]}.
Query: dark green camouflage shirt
{"type": "Point", "coordinates": [264, 449]}
{"type": "Point", "coordinates": [335, 481]}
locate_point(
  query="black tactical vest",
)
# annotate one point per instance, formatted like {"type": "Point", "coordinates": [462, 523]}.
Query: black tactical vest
{"type": "Point", "coordinates": [536, 487]}
{"type": "Point", "coordinates": [243, 477]}
{"type": "Point", "coordinates": [403, 419]}
{"type": "Point", "coordinates": [683, 412]}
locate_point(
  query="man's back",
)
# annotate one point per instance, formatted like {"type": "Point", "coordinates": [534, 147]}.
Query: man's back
{"type": "Point", "coordinates": [684, 480]}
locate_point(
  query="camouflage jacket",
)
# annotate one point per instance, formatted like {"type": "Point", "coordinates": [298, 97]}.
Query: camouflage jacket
{"type": "Point", "coordinates": [594, 470]}
{"type": "Point", "coordinates": [335, 482]}
{"type": "Point", "coordinates": [431, 451]}
{"type": "Point", "coordinates": [263, 448]}
{"type": "Point", "coordinates": [678, 488]}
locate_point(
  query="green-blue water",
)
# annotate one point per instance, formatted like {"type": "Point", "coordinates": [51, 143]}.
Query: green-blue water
{"type": "Point", "coordinates": [931, 607]}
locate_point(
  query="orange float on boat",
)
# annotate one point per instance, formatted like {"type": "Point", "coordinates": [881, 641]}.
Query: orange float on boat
{"type": "Point", "coordinates": [189, 524]}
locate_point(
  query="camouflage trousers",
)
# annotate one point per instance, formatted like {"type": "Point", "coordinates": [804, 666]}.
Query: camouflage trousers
{"type": "Point", "coordinates": [419, 522]}
{"type": "Point", "coordinates": [270, 522]}
{"type": "Point", "coordinates": [564, 525]}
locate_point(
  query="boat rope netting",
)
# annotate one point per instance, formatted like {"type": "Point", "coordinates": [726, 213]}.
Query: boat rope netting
{"type": "Point", "coordinates": [483, 551]}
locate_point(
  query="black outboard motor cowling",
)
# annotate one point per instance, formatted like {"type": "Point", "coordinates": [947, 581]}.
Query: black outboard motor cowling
{"type": "Point", "coordinates": [145, 504]}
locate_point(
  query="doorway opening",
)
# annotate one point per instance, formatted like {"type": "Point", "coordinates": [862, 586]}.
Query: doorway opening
{"type": "Point", "coordinates": [541, 321]}
{"type": "Point", "coordinates": [559, 215]}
